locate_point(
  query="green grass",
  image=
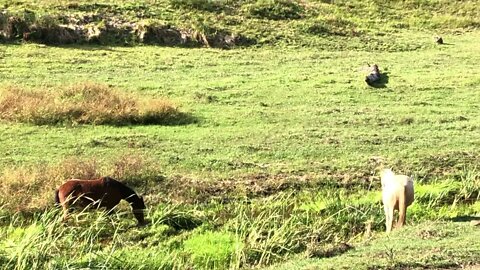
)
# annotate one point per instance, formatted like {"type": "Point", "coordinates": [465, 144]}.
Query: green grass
{"type": "Point", "coordinates": [437, 245]}
{"type": "Point", "coordinates": [280, 166]}
{"type": "Point", "coordinates": [333, 24]}
{"type": "Point", "coordinates": [240, 234]}
{"type": "Point", "coordinates": [280, 111]}
{"type": "Point", "coordinates": [213, 250]}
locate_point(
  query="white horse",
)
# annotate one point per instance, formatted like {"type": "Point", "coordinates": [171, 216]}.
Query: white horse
{"type": "Point", "coordinates": [397, 194]}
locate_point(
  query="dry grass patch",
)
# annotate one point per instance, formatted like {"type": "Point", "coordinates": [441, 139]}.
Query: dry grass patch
{"type": "Point", "coordinates": [28, 188]}
{"type": "Point", "coordinates": [86, 103]}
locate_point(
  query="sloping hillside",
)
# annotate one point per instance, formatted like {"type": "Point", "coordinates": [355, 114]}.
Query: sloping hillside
{"type": "Point", "coordinates": [331, 24]}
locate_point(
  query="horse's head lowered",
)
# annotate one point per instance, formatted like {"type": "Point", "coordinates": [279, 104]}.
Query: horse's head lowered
{"type": "Point", "coordinates": [138, 206]}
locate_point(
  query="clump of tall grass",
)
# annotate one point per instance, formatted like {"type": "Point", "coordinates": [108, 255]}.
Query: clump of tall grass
{"type": "Point", "coordinates": [85, 103]}
{"type": "Point", "coordinates": [451, 191]}
{"type": "Point", "coordinates": [469, 185]}
{"type": "Point", "coordinates": [213, 249]}
{"type": "Point", "coordinates": [136, 258]}
{"type": "Point", "coordinates": [44, 242]}
{"type": "Point", "coordinates": [275, 228]}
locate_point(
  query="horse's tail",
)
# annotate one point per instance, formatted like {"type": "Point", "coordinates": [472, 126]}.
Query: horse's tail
{"type": "Point", "coordinates": [57, 198]}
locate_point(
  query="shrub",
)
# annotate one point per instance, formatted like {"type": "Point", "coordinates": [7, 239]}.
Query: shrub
{"type": "Point", "coordinates": [85, 103]}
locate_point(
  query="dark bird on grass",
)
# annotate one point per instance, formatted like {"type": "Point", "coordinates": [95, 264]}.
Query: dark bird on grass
{"type": "Point", "coordinates": [439, 40]}
{"type": "Point", "coordinates": [374, 75]}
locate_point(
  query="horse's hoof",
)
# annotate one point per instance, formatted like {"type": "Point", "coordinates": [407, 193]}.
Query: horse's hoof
{"type": "Point", "coordinates": [143, 224]}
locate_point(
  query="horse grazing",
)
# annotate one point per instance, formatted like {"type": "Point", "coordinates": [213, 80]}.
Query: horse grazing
{"type": "Point", "coordinates": [103, 192]}
{"type": "Point", "coordinates": [397, 194]}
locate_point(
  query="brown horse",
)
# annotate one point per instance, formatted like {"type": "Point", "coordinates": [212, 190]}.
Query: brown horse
{"type": "Point", "coordinates": [103, 192]}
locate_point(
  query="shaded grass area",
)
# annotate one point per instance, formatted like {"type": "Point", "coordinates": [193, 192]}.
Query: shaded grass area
{"type": "Point", "coordinates": [86, 103]}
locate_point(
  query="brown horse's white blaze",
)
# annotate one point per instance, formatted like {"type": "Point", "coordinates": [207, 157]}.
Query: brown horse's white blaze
{"type": "Point", "coordinates": [103, 192]}
{"type": "Point", "coordinates": [397, 194]}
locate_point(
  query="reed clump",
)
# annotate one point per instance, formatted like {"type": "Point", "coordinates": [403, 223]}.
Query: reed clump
{"type": "Point", "coordinates": [86, 103]}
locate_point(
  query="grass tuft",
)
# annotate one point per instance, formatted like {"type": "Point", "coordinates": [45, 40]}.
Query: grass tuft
{"type": "Point", "coordinates": [276, 9]}
{"type": "Point", "coordinates": [86, 103]}
{"type": "Point", "coordinates": [212, 250]}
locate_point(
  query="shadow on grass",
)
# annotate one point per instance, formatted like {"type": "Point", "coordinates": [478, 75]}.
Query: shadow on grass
{"type": "Point", "coordinates": [181, 220]}
{"type": "Point", "coordinates": [382, 82]}
{"type": "Point", "coordinates": [465, 219]}
{"type": "Point", "coordinates": [173, 119]}
{"type": "Point", "coordinates": [74, 46]}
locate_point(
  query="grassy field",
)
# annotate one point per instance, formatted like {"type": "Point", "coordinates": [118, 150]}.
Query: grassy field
{"type": "Point", "coordinates": [442, 245]}
{"type": "Point", "coordinates": [268, 156]}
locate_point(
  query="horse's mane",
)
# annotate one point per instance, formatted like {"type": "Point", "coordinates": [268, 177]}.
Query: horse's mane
{"type": "Point", "coordinates": [127, 193]}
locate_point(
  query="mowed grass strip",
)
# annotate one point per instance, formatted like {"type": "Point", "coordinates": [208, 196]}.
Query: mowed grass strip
{"type": "Point", "coordinates": [85, 103]}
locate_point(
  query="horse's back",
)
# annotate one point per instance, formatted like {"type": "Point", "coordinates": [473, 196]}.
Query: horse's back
{"type": "Point", "coordinates": [393, 185]}
{"type": "Point", "coordinates": [397, 182]}
{"type": "Point", "coordinates": [391, 193]}
{"type": "Point", "coordinates": [97, 189]}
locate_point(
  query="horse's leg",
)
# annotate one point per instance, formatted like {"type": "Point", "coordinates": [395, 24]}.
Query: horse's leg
{"type": "Point", "coordinates": [388, 217]}
{"type": "Point", "coordinates": [402, 209]}
{"type": "Point", "coordinates": [65, 211]}
{"type": "Point", "coordinates": [385, 209]}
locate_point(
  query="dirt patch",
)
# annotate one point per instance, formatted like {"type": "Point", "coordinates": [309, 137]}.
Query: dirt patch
{"type": "Point", "coordinates": [180, 188]}
{"type": "Point", "coordinates": [187, 190]}
{"type": "Point", "coordinates": [447, 163]}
